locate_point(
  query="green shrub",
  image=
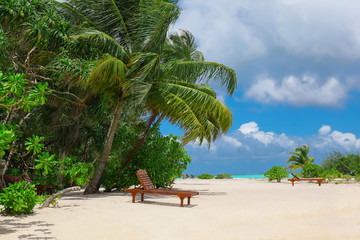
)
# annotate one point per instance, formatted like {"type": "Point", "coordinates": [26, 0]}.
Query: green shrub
{"type": "Point", "coordinates": [347, 177]}
{"type": "Point", "coordinates": [205, 176]}
{"type": "Point", "coordinates": [357, 178]}
{"type": "Point", "coordinates": [163, 157]}
{"type": "Point", "coordinates": [17, 199]}
{"type": "Point", "coordinates": [311, 171]}
{"type": "Point", "coordinates": [276, 173]}
{"type": "Point", "coordinates": [331, 174]}
{"type": "Point", "coordinates": [223, 176]}
{"type": "Point", "coordinates": [349, 164]}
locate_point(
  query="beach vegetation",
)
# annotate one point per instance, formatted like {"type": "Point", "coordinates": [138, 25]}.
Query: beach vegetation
{"type": "Point", "coordinates": [357, 178]}
{"type": "Point", "coordinates": [205, 176]}
{"type": "Point", "coordinates": [163, 157]}
{"type": "Point", "coordinates": [331, 174]}
{"type": "Point", "coordinates": [135, 69]}
{"type": "Point", "coordinates": [311, 171]}
{"type": "Point", "coordinates": [223, 176]}
{"type": "Point", "coordinates": [276, 173]}
{"type": "Point", "coordinates": [76, 73]}
{"type": "Point", "coordinates": [345, 164]}
{"type": "Point", "coordinates": [18, 198]}
{"type": "Point", "coordinates": [347, 177]}
{"type": "Point", "coordinates": [299, 158]}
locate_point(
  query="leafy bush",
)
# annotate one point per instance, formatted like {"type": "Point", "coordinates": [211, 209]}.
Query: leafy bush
{"type": "Point", "coordinates": [205, 176]}
{"type": "Point", "coordinates": [311, 171]}
{"type": "Point", "coordinates": [163, 157]}
{"type": "Point", "coordinates": [357, 178]}
{"type": "Point", "coordinates": [349, 164]}
{"type": "Point", "coordinates": [347, 177]}
{"type": "Point", "coordinates": [74, 171]}
{"type": "Point", "coordinates": [276, 173]}
{"type": "Point", "coordinates": [223, 176]}
{"type": "Point", "coordinates": [17, 199]}
{"type": "Point", "coordinates": [331, 174]}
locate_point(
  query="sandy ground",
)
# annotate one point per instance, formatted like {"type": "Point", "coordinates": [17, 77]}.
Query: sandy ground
{"type": "Point", "coordinates": [225, 209]}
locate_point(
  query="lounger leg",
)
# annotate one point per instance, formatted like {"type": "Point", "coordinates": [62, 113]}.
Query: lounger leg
{"type": "Point", "coordinates": [188, 200]}
{"type": "Point", "coordinates": [292, 183]}
{"type": "Point", "coordinates": [133, 197]}
{"type": "Point", "coordinates": [182, 201]}
{"type": "Point", "coordinates": [319, 183]}
{"type": "Point", "coordinates": [142, 197]}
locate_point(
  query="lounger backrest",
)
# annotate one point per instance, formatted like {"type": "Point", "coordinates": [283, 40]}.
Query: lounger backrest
{"type": "Point", "coordinates": [295, 176]}
{"type": "Point", "coordinates": [145, 180]}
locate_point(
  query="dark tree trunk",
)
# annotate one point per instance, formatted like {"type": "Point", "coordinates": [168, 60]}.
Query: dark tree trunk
{"type": "Point", "coordinates": [94, 184]}
{"type": "Point", "coordinates": [142, 139]}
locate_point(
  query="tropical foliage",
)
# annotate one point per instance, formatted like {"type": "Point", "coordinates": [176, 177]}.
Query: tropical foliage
{"type": "Point", "coordinates": [83, 82]}
{"type": "Point", "coordinates": [223, 176]}
{"type": "Point", "coordinates": [205, 176]}
{"type": "Point", "coordinates": [18, 198]}
{"type": "Point", "coordinates": [299, 158]}
{"type": "Point", "coordinates": [139, 67]}
{"type": "Point", "coordinates": [276, 173]}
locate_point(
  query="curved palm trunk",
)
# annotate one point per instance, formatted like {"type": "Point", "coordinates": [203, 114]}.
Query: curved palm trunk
{"type": "Point", "coordinates": [141, 140]}
{"type": "Point", "coordinates": [94, 184]}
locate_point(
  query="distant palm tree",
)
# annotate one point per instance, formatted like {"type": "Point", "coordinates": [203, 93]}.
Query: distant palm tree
{"type": "Point", "coordinates": [299, 158]}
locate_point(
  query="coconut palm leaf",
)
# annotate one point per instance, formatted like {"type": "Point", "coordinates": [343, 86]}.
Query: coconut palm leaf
{"type": "Point", "coordinates": [74, 14]}
{"type": "Point", "coordinates": [153, 20]}
{"type": "Point", "coordinates": [105, 42]}
{"type": "Point", "coordinates": [299, 158]}
{"type": "Point", "coordinates": [104, 15]}
{"type": "Point", "coordinates": [193, 108]}
{"type": "Point", "coordinates": [181, 47]}
{"type": "Point", "coordinates": [204, 72]}
{"type": "Point", "coordinates": [108, 77]}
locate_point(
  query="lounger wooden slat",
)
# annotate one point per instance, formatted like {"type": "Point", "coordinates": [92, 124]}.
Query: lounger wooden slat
{"type": "Point", "coordinates": [148, 187]}
{"type": "Point", "coordinates": [296, 178]}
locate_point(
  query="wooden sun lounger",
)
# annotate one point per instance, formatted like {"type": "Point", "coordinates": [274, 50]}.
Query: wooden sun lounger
{"type": "Point", "coordinates": [296, 178]}
{"type": "Point", "coordinates": [148, 187]}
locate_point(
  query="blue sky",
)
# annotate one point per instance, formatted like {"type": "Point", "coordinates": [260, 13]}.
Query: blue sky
{"type": "Point", "coordinates": [298, 69]}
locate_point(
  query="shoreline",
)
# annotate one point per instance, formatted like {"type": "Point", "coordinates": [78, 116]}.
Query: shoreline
{"type": "Point", "coordinates": [225, 209]}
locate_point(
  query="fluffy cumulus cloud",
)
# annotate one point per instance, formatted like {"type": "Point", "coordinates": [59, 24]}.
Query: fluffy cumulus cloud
{"type": "Point", "coordinates": [249, 145]}
{"type": "Point", "coordinates": [285, 40]}
{"type": "Point", "coordinates": [247, 29]}
{"type": "Point", "coordinates": [303, 91]}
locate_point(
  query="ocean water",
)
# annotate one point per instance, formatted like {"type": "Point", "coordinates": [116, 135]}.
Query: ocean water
{"type": "Point", "coordinates": [244, 176]}
{"type": "Point", "coordinates": [249, 176]}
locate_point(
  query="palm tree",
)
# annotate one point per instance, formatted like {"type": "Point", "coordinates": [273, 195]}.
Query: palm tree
{"type": "Point", "coordinates": [134, 69]}
{"type": "Point", "coordinates": [299, 158]}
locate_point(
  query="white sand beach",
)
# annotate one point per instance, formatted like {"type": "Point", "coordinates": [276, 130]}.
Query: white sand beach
{"type": "Point", "coordinates": [225, 209]}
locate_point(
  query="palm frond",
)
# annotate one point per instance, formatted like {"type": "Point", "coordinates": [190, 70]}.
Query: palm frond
{"type": "Point", "coordinates": [105, 42]}
{"type": "Point", "coordinates": [108, 77]}
{"type": "Point", "coordinates": [73, 14]}
{"type": "Point", "coordinates": [104, 15]}
{"type": "Point", "coordinates": [204, 72]}
{"type": "Point", "coordinates": [192, 107]}
{"type": "Point", "coordinates": [182, 47]}
{"type": "Point", "coordinates": [153, 22]}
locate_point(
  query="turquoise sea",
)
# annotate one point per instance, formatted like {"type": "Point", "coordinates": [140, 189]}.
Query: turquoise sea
{"type": "Point", "coordinates": [245, 176]}
{"type": "Point", "coordinates": [249, 176]}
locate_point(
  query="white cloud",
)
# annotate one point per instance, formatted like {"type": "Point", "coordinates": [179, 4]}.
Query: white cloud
{"type": "Point", "coordinates": [249, 127]}
{"type": "Point", "coordinates": [324, 130]}
{"type": "Point", "coordinates": [232, 141]}
{"type": "Point", "coordinates": [248, 29]}
{"type": "Point", "coordinates": [346, 140]}
{"type": "Point", "coordinates": [251, 130]}
{"type": "Point", "coordinates": [304, 91]}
